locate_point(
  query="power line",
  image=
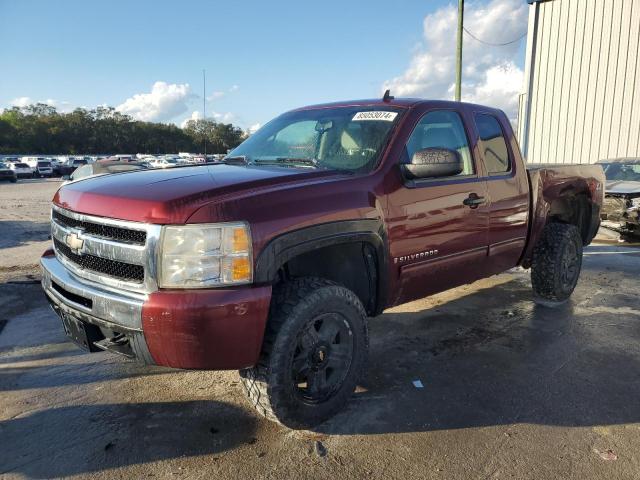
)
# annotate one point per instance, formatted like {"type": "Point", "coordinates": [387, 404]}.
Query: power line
{"type": "Point", "coordinates": [494, 44]}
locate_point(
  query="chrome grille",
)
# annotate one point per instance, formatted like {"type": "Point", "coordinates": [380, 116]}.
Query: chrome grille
{"type": "Point", "coordinates": [113, 253]}
{"type": "Point", "coordinates": [137, 237]}
{"type": "Point", "coordinates": [120, 270]}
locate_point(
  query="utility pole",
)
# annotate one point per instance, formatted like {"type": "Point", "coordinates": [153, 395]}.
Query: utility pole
{"type": "Point", "coordinates": [459, 49]}
{"type": "Point", "coordinates": [204, 110]}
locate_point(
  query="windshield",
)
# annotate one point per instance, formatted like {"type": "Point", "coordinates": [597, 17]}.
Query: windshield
{"type": "Point", "coordinates": [342, 138]}
{"type": "Point", "coordinates": [44, 164]}
{"type": "Point", "coordinates": [82, 172]}
{"type": "Point", "coordinates": [622, 171]}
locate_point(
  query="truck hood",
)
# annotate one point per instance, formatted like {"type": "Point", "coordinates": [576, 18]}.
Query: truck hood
{"type": "Point", "coordinates": [621, 187]}
{"type": "Point", "coordinates": [172, 195]}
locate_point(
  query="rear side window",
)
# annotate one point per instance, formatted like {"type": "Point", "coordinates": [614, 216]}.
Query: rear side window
{"type": "Point", "coordinates": [441, 129]}
{"type": "Point", "coordinates": [493, 144]}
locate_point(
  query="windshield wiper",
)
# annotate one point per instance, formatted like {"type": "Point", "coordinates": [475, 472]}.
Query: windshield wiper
{"type": "Point", "coordinates": [299, 162]}
{"type": "Point", "coordinates": [237, 160]}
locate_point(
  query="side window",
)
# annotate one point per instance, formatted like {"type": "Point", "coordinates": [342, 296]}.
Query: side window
{"type": "Point", "coordinates": [493, 144]}
{"type": "Point", "coordinates": [441, 129]}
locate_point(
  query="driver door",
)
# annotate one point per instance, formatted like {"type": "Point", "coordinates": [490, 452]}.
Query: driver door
{"type": "Point", "coordinates": [438, 240]}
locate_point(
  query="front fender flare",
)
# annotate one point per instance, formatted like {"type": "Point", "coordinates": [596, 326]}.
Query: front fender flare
{"type": "Point", "coordinates": [283, 248]}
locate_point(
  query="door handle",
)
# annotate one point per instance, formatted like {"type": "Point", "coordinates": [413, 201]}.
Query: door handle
{"type": "Point", "coordinates": [473, 200]}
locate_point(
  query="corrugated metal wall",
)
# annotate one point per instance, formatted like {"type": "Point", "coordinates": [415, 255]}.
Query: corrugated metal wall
{"type": "Point", "coordinates": [582, 75]}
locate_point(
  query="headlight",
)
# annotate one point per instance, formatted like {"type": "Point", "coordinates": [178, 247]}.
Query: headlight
{"type": "Point", "coordinates": [205, 255]}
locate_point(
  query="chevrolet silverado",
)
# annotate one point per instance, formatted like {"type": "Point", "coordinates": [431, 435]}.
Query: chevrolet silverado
{"type": "Point", "coordinates": [271, 261]}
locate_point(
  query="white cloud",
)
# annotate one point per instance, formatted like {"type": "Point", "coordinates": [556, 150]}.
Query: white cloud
{"type": "Point", "coordinates": [254, 128]}
{"type": "Point", "coordinates": [501, 86]}
{"type": "Point", "coordinates": [215, 95]}
{"type": "Point", "coordinates": [21, 102]}
{"type": "Point", "coordinates": [195, 115]}
{"type": "Point", "coordinates": [61, 106]}
{"type": "Point", "coordinates": [221, 93]}
{"type": "Point", "coordinates": [227, 117]}
{"type": "Point", "coordinates": [164, 102]}
{"type": "Point", "coordinates": [489, 74]}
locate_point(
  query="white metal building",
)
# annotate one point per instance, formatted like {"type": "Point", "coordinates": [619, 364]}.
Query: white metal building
{"type": "Point", "coordinates": [581, 100]}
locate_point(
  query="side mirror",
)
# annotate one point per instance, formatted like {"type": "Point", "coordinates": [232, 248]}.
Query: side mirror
{"type": "Point", "coordinates": [433, 162]}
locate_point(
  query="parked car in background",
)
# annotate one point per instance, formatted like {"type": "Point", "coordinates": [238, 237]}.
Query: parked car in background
{"type": "Point", "coordinates": [22, 170]}
{"type": "Point", "coordinates": [71, 165]}
{"type": "Point", "coordinates": [621, 208]}
{"type": "Point", "coordinates": [105, 167]}
{"type": "Point", "coordinates": [10, 159]}
{"type": "Point", "coordinates": [164, 163]}
{"type": "Point", "coordinates": [6, 173]}
{"type": "Point", "coordinates": [41, 166]}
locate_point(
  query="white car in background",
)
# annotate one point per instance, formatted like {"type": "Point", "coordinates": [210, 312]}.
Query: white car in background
{"type": "Point", "coordinates": [22, 170]}
{"type": "Point", "coordinates": [41, 166]}
{"type": "Point", "coordinates": [6, 173]}
{"type": "Point", "coordinates": [164, 163]}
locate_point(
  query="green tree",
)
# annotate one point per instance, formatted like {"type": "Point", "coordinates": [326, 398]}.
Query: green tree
{"type": "Point", "coordinates": [41, 129]}
{"type": "Point", "coordinates": [220, 137]}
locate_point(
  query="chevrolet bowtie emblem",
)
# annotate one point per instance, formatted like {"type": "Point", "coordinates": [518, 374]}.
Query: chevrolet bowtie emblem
{"type": "Point", "coordinates": [74, 242]}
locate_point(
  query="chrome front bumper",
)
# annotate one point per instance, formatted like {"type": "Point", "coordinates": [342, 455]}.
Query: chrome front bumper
{"type": "Point", "coordinates": [91, 303]}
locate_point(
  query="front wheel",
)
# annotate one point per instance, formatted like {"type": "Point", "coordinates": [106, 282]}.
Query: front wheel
{"type": "Point", "coordinates": [557, 261]}
{"type": "Point", "coordinates": [314, 353]}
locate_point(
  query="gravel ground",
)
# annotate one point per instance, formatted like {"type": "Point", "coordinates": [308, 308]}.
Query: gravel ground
{"type": "Point", "coordinates": [510, 390]}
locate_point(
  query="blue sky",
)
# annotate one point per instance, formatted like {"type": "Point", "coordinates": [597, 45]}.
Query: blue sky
{"type": "Point", "coordinates": [261, 57]}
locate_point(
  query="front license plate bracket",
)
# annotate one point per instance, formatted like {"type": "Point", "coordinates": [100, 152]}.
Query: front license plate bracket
{"type": "Point", "coordinates": [81, 333]}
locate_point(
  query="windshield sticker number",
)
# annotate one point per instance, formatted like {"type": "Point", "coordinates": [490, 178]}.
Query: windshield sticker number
{"type": "Point", "coordinates": [375, 115]}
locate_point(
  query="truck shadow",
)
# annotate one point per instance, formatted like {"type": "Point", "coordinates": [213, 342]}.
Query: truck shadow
{"type": "Point", "coordinates": [19, 232]}
{"type": "Point", "coordinates": [72, 440]}
{"type": "Point", "coordinates": [494, 358]}
{"type": "Point", "coordinates": [13, 378]}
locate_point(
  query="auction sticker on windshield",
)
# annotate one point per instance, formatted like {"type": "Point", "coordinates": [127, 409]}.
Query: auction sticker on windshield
{"type": "Point", "coordinates": [375, 115]}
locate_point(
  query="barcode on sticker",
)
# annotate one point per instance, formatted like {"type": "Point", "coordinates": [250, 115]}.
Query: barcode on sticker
{"type": "Point", "coordinates": [375, 115]}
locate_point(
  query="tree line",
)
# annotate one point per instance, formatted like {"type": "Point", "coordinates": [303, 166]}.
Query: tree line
{"type": "Point", "coordinates": [40, 128]}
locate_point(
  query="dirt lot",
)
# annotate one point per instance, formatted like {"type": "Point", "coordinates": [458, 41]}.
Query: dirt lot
{"type": "Point", "coordinates": [511, 390]}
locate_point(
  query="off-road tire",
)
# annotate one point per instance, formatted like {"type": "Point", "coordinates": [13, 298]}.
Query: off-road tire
{"type": "Point", "coordinates": [559, 244]}
{"type": "Point", "coordinates": [270, 386]}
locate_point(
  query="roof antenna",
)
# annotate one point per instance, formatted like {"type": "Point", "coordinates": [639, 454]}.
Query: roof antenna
{"type": "Point", "coordinates": [387, 96]}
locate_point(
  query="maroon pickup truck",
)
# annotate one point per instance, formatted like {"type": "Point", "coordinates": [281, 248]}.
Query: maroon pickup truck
{"type": "Point", "coordinates": [272, 261]}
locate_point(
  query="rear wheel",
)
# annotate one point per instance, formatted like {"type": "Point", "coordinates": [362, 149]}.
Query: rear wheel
{"type": "Point", "coordinates": [557, 261]}
{"type": "Point", "coordinates": [314, 353]}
